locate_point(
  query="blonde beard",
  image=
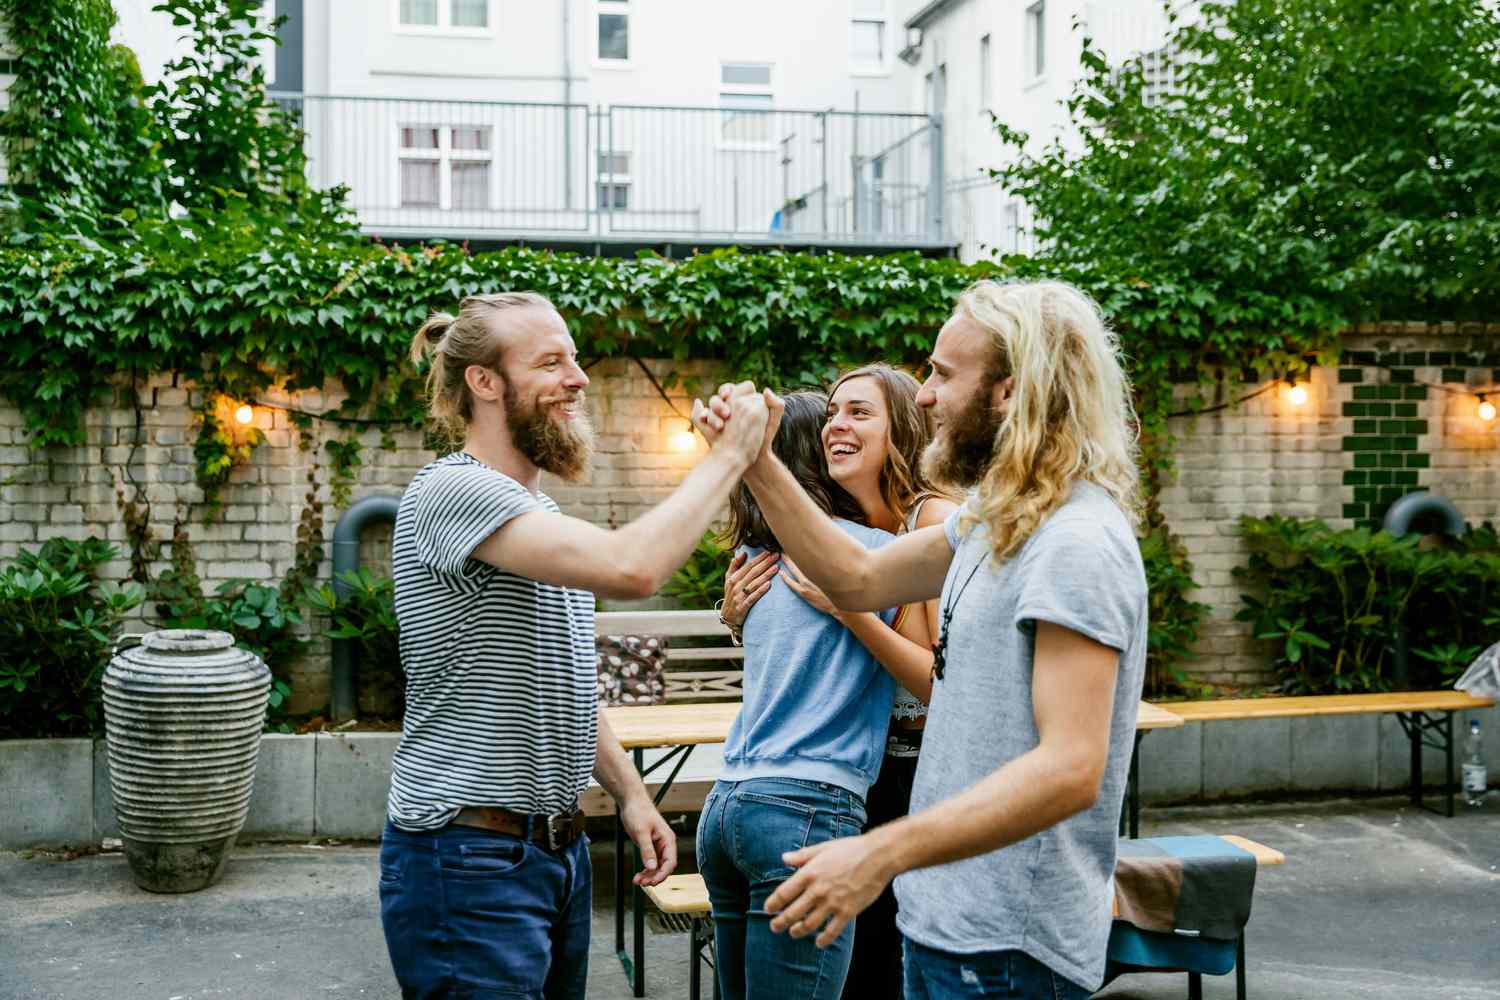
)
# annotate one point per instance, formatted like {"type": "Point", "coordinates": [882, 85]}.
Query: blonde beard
{"type": "Point", "coordinates": [561, 448]}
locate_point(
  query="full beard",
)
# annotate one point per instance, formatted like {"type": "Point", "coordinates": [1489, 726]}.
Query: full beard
{"type": "Point", "coordinates": [562, 448]}
{"type": "Point", "coordinates": [962, 452]}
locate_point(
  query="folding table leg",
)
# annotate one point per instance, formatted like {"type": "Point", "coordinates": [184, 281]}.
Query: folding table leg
{"type": "Point", "coordinates": [1239, 967]}
{"type": "Point", "coordinates": [695, 970]}
{"type": "Point", "coordinates": [1195, 986]}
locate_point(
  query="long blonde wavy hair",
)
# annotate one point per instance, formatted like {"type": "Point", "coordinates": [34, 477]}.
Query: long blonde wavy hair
{"type": "Point", "coordinates": [1070, 415]}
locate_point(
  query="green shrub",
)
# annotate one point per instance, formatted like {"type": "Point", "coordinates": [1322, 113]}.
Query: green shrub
{"type": "Point", "coordinates": [1331, 602]}
{"type": "Point", "coordinates": [1173, 616]}
{"type": "Point", "coordinates": [57, 626]}
{"type": "Point", "coordinates": [699, 584]}
{"type": "Point", "coordinates": [366, 616]}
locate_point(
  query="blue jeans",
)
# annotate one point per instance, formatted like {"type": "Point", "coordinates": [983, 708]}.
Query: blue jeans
{"type": "Point", "coordinates": [475, 915]}
{"type": "Point", "coordinates": [942, 975]}
{"type": "Point", "coordinates": [744, 829]}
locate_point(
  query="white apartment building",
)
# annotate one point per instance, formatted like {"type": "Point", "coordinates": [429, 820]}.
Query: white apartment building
{"type": "Point", "coordinates": [856, 124]}
{"type": "Point", "coordinates": [1019, 59]}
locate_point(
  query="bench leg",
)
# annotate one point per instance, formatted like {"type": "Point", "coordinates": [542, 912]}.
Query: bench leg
{"type": "Point", "coordinates": [638, 904]}
{"type": "Point", "coordinates": [1195, 986]}
{"type": "Point", "coordinates": [1130, 816]}
{"type": "Point", "coordinates": [1417, 725]}
{"type": "Point", "coordinates": [695, 970]}
{"type": "Point", "coordinates": [1448, 738]}
{"type": "Point", "coordinates": [1239, 967]}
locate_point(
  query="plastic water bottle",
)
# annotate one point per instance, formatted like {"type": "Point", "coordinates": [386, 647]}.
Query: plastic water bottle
{"type": "Point", "coordinates": [1475, 777]}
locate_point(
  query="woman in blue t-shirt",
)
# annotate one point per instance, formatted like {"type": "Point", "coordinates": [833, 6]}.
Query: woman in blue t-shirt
{"type": "Point", "coordinates": [872, 441]}
{"type": "Point", "coordinates": [805, 748]}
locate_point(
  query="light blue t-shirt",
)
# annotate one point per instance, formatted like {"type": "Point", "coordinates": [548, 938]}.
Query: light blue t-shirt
{"type": "Point", "coordinates": [817, 704]}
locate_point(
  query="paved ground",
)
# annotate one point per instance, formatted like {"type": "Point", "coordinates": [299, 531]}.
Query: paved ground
{"type": "Point", "coordinates": [1375, 902]}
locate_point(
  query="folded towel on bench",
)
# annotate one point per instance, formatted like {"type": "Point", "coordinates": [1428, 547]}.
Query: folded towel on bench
{"type": "Point", "coordinates": [1188, 886]}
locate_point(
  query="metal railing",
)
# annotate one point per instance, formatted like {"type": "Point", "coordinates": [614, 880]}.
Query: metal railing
{"type": "Point", "coordinates": [490, 169]}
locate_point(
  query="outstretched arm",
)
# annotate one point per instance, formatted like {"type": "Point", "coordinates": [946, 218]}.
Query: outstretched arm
{"type": "Point", "coordinates": [633, 561]}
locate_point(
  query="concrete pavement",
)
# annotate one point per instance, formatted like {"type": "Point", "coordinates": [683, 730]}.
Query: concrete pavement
{"type": "Point", "coordinates": [1375, 901]}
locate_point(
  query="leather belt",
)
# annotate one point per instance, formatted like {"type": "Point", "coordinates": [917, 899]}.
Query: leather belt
{"type": "Point", "coordinates": [555, 831]}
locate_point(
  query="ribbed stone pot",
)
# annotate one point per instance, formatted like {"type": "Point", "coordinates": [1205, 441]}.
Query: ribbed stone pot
{"type": "Point", "coordinates": [183, 713]}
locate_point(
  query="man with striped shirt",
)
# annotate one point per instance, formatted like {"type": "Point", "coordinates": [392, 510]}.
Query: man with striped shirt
{"type": "Point", "coordinates": [485, 885]}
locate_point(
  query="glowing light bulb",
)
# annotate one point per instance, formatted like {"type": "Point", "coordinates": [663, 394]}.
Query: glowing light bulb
{"type": "Point", "coordinates": [1486, 410]}
{"type": "Point", "coordinates": [244, 414]}
{"type": "Point", "coordinates": [1298, 395]}
{"type": "Point", "coordinates": [684, 441]}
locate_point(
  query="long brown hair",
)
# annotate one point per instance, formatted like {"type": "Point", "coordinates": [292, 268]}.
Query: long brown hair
{"type": "Point", "coordinates": [909, 430]}
{"type": "Point", "coordinates": [800, 447]}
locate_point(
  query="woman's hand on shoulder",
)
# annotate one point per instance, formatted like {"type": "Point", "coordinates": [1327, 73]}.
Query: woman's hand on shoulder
{"type": "Point", "coordinates": [746, 582]}
{"type": "Point", "coordinates": [806, 589]}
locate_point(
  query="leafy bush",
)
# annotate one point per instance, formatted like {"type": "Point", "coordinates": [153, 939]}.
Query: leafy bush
{"type": "Point", "coordinates": [1173, 616]}
{"type": "Point", "coordinates": [57, 626]}
{"type": "Point", "coordinates": [366, 616]}
{"type": "Point", "coordinates": [699, 584]}
{"type": "Point", "coordinates": [1331, 602]}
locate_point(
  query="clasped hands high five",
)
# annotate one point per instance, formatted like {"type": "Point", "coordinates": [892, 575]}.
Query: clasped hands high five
{"type": "Point", "coordinates": [744, 417]}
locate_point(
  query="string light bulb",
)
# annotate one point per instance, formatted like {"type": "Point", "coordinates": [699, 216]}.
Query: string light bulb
{"type": "Point", "coordinates": [683, 440]}
{"type": "Point", "coordinates": [244, 414]}
{"type": "Point", "coordinates": [1297, 394]}
{"type": "Point", "coordinates": [1486, 409]}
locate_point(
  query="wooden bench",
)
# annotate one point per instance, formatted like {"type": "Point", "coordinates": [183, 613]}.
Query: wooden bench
{"type": "Point", "coordinates": [686, 895]}
{"type": "Point", "coordinates": [1425, 716]}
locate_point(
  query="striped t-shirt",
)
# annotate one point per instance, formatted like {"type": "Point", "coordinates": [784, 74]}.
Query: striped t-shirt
{"type": "Point", "coordinates": [500, 671]}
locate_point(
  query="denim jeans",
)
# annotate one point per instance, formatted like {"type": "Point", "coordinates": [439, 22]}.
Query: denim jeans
{"type": "Point", "coordinates": [745, 828]}
{"type": "Point", "coordinates": [475, 915]}
{"type": "Point", "coordinates": [941, 975]}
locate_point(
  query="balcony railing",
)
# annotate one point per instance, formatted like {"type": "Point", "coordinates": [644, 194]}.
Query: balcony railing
{"type": "Point", "coordinates": [501, 170]}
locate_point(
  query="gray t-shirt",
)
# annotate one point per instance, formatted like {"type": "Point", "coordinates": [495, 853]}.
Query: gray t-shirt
{"type": "Point", "coordinates": [1049, 895]}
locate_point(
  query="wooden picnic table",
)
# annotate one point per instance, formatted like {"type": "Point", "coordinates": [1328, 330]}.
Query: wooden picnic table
{"type": "Point", "coordinates": [1426, 717]}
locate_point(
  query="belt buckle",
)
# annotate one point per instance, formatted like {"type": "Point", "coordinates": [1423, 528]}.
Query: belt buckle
{"type": "Point", "coordinates": [553, 823]}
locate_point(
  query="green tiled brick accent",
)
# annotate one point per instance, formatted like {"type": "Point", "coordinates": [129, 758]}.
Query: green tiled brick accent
{"type": "Point", "coordinates": [1417, 461]}
{"type": "Point", "coordinates": [1380, 477]}
{"type": "Point", "coordinates": [1351, 375]}
{"type": "Point", "coordinates": [1388, 494]}
{"type": "Point", "coordinates": [1355, 409]}
{"type": "Point", "coordinates": [1454, 375]}
{"type": "Point", "coordinates": [1416, 427]}
{"type": "Point", "coordinates": [1439, 358]}
{"type": "Point", "coordinates": [1393, 460]}
{"type": "Point", "coordinates": [1355, 510]}
{"type": "Point", "coordinates": [1391, 391]}
{"type": "Point", "coordinates": [1403, 444]}
{"type": "Point", "coordinates": [1392, 427]}
{"type": "Point", "coordinates": [1414, 359]}
{"type": "Point", "coordinates": [1398, 409]}
{"type": "Point", "coordinates": [1408, 478]}
{"type": "Point", "coordinates": [1366, 426]}
{"type": "Point", "coordinates": [1401, 376]}
{"type": "Point", "coordinates": [1366, 494]}
{"type": "Point", "coordinates": [1366, 444]}
{"type": "Point", "coordinates": [1412, 391]}
{"type": "Point", "coordinates": [1366, 460]}
{"type": "Point", "coordinates": [1367, 392]}
{"type": "Point", "coordinates": [1353, 478]}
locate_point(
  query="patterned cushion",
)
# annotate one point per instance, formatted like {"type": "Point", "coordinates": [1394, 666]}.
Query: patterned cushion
{"type": "Point", "coordinates": [631, 668]}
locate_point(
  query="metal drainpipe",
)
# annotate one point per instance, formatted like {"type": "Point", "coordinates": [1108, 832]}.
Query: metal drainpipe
{"type": "Point", "coordinates": [1398, 521]}
{"type": "Point", "coordinates": [360, 515]}
{"type": "Point", "coordinates": [567, 68]}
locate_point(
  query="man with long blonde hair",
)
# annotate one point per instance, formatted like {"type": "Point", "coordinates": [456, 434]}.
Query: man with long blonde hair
{"type": "Point", "coordinates": [1003, 869]}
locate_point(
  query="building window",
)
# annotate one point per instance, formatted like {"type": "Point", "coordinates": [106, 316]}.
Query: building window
{"type": "Point", "coordinates": [746, 97]}
{"type": "Point", "coordinates": [985, 84]}
{"type": "Point", "coordinates": [614, 181]}
{"type": "Point", "coordinates": [445, 166]}
{"type": "Point", "coordinates": [867, 44]}
{"type": "Point", "coordinates": [1036, 40]}
{"type": "Point", "coordinates": [444, 15]}
{"type": "Point", "coordinates": [614, 30]}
